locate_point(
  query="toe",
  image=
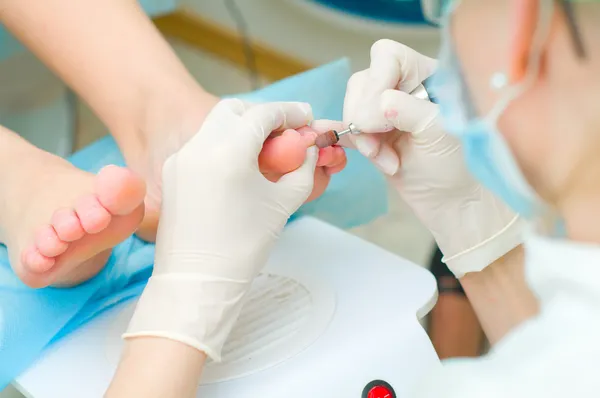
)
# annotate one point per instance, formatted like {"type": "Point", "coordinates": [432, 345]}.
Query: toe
{"type": "Point", "coordinates": [338, 162]}
{"type": "Point", "coordinates": [119, 190]}
{"type": "Point", "coordinates": [308, 135]}
{"type": "Point", "coordinates": [282, 154]}
{"type": "Point", "coordinates": [34, 261]}
{"type": "Point", "coordinates": [93, 216]}
{"type": "Point", "coordinates": [67, 225]}
{"type": "Point", "coordinates": [326, 156]}
{"type": "Point", "coordinates": [320, 184]}
{"type": "Point", "coordinates": [48, 243]}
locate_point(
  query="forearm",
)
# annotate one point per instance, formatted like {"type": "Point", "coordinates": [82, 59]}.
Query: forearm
{"type": "Point", "coordinates": [157, 367]}
{"type": "Point", "coordinates": [500, 296]}
{"type": "Point", "coordinates": [111, 54]}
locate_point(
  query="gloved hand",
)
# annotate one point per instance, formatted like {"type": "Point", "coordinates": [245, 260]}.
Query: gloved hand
{"type": "Point", "coordinates": [393, 66]}
{"type": "Point", "coordinates": [220, 219]}
{"type": "Point", "coordinates": [472, 227]}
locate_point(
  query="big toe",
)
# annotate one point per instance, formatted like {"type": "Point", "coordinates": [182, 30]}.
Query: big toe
{"type": "Point", "coordinates": [119, 190]}
{"type": "Point", "coordinates": [283, 154]}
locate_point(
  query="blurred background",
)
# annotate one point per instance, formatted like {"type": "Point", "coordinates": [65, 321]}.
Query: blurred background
{"type": "Point", "coordinates": [231, 47]}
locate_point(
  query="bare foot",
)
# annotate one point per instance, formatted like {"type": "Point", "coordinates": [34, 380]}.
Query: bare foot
{"type": "Point", "coordinates": [280, 155]}
{"type": "Point", "coordinates": [59, 223]}
{"type": "Point", "coordinates": [286, 152]}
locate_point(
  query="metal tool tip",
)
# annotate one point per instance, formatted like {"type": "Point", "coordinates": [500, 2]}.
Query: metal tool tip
{"type": "Point", "coordinates": [353, 129]}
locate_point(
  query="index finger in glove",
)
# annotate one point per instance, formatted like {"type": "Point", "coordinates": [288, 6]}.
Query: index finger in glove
{"type": "Point", "coordinates": [418, 117]}
{"type": "Point", "coordinates": [263, 119]}
{"type": "Point", "coordinates": [394, 65]}
{"type": "Point", "coordinates": [370, 145]}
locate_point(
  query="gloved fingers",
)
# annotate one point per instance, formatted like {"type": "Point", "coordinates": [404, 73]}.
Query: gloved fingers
{"type": "Point", "coordinates": [419, 118]}
{"type": "Point", "coordinates": [361, 104]}
{"type": "Point", "coordinates": [370, 145]}
{"type": "Point", "coordinates": [389, 64]}
{"type": "Point", "coordinates": [355, 90]}
{"type": "Point", "coordinates": [228, 108]}
{"type": "Point", "coordinates": [300, 181]}
{"type": "Point", "coordinates": [222, 120]}
{"type": "Point", "coordinates": [264, 119]}
{"type": "Point", "coordinates": [233, 105]}
{"type": "Point", "coordinates": [323, 125]}
{"type": "Point", "coordinates": [394, 65]}
{"type": "Point", "coordinates": [383, 156]}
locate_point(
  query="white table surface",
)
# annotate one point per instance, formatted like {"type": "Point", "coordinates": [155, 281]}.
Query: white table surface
{"type": "Point", "coordinates": [81, 365]}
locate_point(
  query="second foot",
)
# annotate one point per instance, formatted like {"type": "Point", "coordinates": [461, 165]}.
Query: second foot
{"type": "Point", "coordinates": [64, 223]}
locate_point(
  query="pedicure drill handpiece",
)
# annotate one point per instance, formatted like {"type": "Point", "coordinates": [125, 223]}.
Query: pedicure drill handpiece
{"type": "Point", "coordinates": [332, 137]}
{"type": "Point", "coordinates": [423, 91]}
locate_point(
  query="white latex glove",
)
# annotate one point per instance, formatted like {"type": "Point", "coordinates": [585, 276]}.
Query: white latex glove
{"type": "Point", "coordinates": [393, 66]}
{"type": "Point", "coordinates": [472, 227]}
{"type": "Point", "coordinates": [220, 218]}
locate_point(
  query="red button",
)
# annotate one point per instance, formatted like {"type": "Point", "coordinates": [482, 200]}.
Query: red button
{"type": "Point", "coordinates": [379, 392]}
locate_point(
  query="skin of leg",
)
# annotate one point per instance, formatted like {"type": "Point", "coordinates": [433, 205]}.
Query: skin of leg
{"type": "Point", "coordinates": [128, 74]}
{"type": "Point", "coordinates": [59, 223]}
{"type": "Point", "coordinates": [454, 329]}
{"type": "Point", "coordinates": [130, 77]}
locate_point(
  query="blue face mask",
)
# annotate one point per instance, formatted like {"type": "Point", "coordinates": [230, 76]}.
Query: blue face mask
{"type": "Point", "coordinates": [487, 154]}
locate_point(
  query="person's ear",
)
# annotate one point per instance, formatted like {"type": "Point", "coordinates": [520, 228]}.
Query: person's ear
{"type": "Point", "coordinates": [524, 15]}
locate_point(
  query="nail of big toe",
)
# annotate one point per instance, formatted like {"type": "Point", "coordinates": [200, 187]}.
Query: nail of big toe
{"type": "Point", "coordinates": [306, 130]}
{"type": "Point", "coordinates": [34, 261]}
{"type": "Point", "coordinates": [387, 160]}
{"type": "Point", "coordinates": [308, 135]}
{"type": "Point", "coordinates": [48, 242]}
{"type": "Point", "coordinates": [94, 218]}
{"type": "Point", "coordinates": [67, 225]}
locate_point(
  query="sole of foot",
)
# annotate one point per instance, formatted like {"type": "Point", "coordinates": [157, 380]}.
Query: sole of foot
{"type": "Point", "coordinates": [62, 230]}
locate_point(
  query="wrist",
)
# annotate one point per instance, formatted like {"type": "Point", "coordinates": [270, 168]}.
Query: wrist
{"type": "Point", "coordinates": [198, 313]}
{"type": "Point", "coordinates": [145, 357]}
{"type": "Point", "coordinates": [485, 229]}
{"type": "Point", "coordinates": [500, 296]}
{"type": "Point", "coordinates": [480, 256]}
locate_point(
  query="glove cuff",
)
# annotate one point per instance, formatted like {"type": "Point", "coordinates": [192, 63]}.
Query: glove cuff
{"type": "Point", "coordinates": [479, 257]}
{"type": "Point", "coordinates": [195, 313]}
